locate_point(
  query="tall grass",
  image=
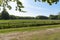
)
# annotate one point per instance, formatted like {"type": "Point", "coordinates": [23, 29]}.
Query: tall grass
{"type": "Point", "coordinates": [26, 23]}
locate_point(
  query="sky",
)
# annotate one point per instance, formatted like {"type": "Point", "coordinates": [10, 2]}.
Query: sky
{"type": "Point", "coordinates": [35, 8]}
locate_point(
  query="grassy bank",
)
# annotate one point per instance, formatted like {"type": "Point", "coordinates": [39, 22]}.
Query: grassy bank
{"type": "Point", "coordinates": [28, 28]}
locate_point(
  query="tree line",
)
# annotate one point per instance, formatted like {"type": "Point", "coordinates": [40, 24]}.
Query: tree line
{"type": "Point", "coordinates": [5, 16]}
{"type": "Point", "coordinates": [50, 17]}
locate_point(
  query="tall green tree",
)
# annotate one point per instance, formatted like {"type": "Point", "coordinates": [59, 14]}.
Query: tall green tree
{"type": "Point", "coordinates": [59, 15]}
{"type": "Point", "coordinates": [54, 17]}
{"type": "Point", "coordinates": [41, 17]}
{"type": "Point", "coordinates": [5, 15]}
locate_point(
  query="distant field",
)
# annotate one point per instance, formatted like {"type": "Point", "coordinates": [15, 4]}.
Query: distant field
{"type": "Point", "coordinates": [26, 23]}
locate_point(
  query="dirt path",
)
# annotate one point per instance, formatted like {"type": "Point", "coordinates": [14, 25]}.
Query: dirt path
{"type": "Point", "coordinates": [26, 34]}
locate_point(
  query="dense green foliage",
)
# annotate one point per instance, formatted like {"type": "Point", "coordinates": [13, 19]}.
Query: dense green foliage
{"type": "Point", "coordinates": [42, 17]}
{"type": "Point", "coordinates": [4, 15]}
{"type": "Point", "coordinates": [26, 23]}
{"type": "Point", "coordinates": [4, 4]}
{"type": "Point", "coordinates": [50, 2]}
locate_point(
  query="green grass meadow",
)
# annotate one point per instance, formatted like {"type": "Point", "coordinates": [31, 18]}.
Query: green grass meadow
{"type": "Point", "coordinates": [4, 24]}
{"type": "Point", "coordinates": [28, 29]}
{"type": "Point", "coordinates": [7, 26]}
{"type": "Point", "coordinates": [27, 25]}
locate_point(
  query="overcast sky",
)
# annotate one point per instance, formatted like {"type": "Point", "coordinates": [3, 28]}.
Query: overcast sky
{"type": "Point", "coordinates": [35, 8]}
